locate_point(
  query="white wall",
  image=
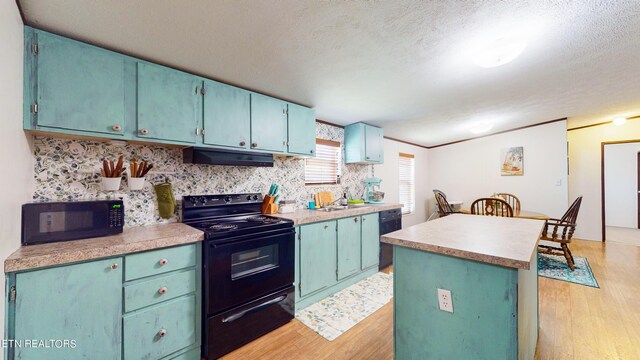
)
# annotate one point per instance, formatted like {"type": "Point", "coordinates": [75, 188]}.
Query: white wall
{"type": "Point", "coordinates": [621, 184]}
{"type": "Point", "coordinates": [389, 173]}
{"type": "Point", "coordinates": [15, 153]}
{"type": "Point", "coordinates": [584, 171]}
{"type": "Point", "coordinates": [470, 170]}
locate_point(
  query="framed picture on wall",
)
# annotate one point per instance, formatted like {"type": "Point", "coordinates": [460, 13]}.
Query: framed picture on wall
{"type": "Point", "coordinates": [512, 161]}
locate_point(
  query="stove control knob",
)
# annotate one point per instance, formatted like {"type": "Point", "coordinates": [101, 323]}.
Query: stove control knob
{"type": "Point", "coordinates": [249, 197]}
{"type": "Point", "coordinates": [227, 199]}
{"type": "Point", "coordinates": [203, 200]}
{"type": "Point", "coordinates": [193, 201]}
{"type": "Point", "coordinates": [255, 197]}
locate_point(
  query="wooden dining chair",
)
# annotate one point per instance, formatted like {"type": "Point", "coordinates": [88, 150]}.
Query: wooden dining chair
{"type": "Point", "coordinates": [561, 231]}
{"type": "Point", "coordinates": [491, 207]}
{"type": "Point", "coordinates": [444, 208]}
{"type": "Point", "coordinates": [512, 200]}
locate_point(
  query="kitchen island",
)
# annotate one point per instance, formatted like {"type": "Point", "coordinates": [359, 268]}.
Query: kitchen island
{"type": "Point", "coordinates": [489, 264]}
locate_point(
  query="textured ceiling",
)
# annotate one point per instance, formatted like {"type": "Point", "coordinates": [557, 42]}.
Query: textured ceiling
{"type": "Point", "coordinates": [403, 65]}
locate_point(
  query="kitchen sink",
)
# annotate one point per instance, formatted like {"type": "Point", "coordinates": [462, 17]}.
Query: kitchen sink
{"type": "Point", "coordinates": [340, 207]}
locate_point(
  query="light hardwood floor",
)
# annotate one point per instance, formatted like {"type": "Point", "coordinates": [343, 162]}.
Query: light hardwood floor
{"type": "Point", "coordinates": [576, 322]}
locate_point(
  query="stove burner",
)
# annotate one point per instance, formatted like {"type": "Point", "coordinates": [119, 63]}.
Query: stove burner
{"type": "Point", "coordinates": [222, 227]}
{"type": "Point", "coordinates": [263, 219]}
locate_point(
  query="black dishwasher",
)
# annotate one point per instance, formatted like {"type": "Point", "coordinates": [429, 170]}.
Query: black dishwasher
{"type": "Point", "coordinates": [390, 221]}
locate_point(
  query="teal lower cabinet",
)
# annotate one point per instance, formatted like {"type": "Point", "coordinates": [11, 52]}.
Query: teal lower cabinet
{"type": "Point", "coordinates": [349, 246]}
{"type": "Point", "coordinates": [333, 255]}
{"type": "Point", "coordinates": [495, 308]}
{"type": "Point", "coordinates": [136, 306]}
{"type": "Point", "coordinates": [370, 240]}
{"type": "Point", "coordinates": [76, 309]}
{"type": "Point", "coordinates": [318, 256]}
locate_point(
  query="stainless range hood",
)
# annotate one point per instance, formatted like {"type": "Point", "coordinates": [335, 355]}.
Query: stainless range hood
{"type": "Point", "coordinates": [225, 157]}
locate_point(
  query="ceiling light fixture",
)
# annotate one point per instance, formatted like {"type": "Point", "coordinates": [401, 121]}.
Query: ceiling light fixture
{"type": "Point", "coordinates": [499, 51]}
{"type": "Point", "coordinates": [619, 121]}
{"type": "Point", "coordinates": [480, 128]}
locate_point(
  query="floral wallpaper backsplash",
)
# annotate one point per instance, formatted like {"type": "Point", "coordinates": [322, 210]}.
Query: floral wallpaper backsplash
{"type": "Point", "coordinates": [69, 170]}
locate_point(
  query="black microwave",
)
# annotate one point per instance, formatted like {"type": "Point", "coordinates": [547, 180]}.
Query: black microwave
{"type": "Point", "coordinates": [45, 222]}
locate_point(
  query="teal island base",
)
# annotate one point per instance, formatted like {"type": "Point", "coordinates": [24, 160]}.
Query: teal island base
{"type": "Point", "coordinates": [495, 308]}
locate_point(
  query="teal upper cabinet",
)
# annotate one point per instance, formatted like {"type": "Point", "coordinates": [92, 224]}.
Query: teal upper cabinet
{"type": "Point", "coordinates": [227, 115]}
{"type": "Point", "coordinates": [363, 144]}
{"type": "Point", "coordinates": [302, 130]}
{"type": "Point", "coordinates": [268, 124]}
{"type": "Point", "coordinates": [348, 246]}
{"type": "Point", "coordinates": [370, 240]}
{"type": "Point", "coordinates": [77, 86]}
{"type": "Point", "coordinates": [318, 256]}
{"type": "Point", "coordinates": [81, 303]}
{"type": "Point", "coordinates": [169, 104]}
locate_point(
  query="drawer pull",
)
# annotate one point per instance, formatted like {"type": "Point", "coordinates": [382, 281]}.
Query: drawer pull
{"type": "Point", "coordinates": [162, 332]}
{"type": "Point", "coordinates": [116, 127]}
{"type": "Point", "coordinates": [355, 219]}
{"type": "Point", "coordinates": [163, 262]}
{"type": "Point", "coordinates": [144, 131]}
{"type": "Point", "coordinates": [162, 290]}
{"type": "Point", "coordinates": [114, 266]}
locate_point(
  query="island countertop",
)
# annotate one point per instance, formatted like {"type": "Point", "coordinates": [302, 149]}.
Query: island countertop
{"type": "Point", "coordinates": [133, 239]}
{"type": "Point", "coordinates": [508, 242]}
{"type": "Point", "coordinates": [306, 216]}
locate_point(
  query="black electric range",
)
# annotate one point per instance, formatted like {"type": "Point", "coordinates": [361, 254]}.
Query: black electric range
{"type": "Point", "coordinates": [248, 269]}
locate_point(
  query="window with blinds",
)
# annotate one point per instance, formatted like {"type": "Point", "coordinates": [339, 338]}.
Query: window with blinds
{"type": "Point", "coordinates": [407, 183]}
{"type": "Point", "coordinates": [326, 166]}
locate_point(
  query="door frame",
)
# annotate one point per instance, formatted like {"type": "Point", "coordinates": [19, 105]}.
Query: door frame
{"type": "Point", "coordinates": [602, 191]}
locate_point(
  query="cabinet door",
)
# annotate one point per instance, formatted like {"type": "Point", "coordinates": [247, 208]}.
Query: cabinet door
{"type": "Point", "coordinates": [79, 87]}
{"type": "Point", "coordinates": [373, 144]}
{"type": "Point", "coordinates": [268, 124]}
{"type": "Point", "coordinates": [227, 115]}
{"type": "Point", "coordinates": [302, 130]}
{"type": "Point", "coordinates": [169, 104]}
{"type": "Point", "coordinates": [81, 302]}
{"type": "Point", "coordinates": [317, 256]}
{"type": "Point", "coordinates": [370, 240]}
{"type": "Point", "coordinates": [348, 246]}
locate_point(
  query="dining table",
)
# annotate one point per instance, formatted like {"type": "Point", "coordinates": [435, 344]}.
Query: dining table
{"type": "Point", "coordinates": [523, 214]}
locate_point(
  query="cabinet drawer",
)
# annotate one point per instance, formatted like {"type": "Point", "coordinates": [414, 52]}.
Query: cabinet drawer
{"type": "Point", "coordinates": [193, 354]}
{"type": "Point", "coordinates": [159, 289]}
{"type": "Point", "coordinates": [158, 261]}
{"type": "Point", "coordinates": [161, 330]}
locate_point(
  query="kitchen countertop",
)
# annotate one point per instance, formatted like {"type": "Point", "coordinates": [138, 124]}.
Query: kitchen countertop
{"type": "Point", "coordinates": [134, 239]}
{"type": "Point", "coordinates": [509, 242]}
{"type": "Point", "coordinates": [306, 216]}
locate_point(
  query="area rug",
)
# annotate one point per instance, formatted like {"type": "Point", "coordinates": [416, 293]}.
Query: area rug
{"type": "Point", "coordinates": [333, 315]}
{"type": "Point", "coordinates": [555, 267]}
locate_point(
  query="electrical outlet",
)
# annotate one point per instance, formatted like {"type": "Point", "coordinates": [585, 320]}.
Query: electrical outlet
{"type": "Point", "coordinates": [445, 300]}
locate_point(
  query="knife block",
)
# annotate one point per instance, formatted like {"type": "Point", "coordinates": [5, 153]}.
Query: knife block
{"type": "Point", "coordinates": [268, 207]}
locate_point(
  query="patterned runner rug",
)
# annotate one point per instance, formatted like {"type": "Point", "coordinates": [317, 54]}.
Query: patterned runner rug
{"type": "Point", "coordinates": [555, 267]}
{"type": "Point", "coordinates": [333, 315]}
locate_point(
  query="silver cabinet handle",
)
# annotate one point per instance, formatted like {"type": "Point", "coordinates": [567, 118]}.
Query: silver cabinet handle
{"type": "Point", "coordinates": [197, 131]}
{"type": "Point", "coordinates": [237, 316]}
{"type": "Point", "coordinates": [116, 127]}
{"type": "Point", "coordinates": [242, 143]}
{"type": "Point", "coordinates": [162, 332]}
{"type": "Point", "coordinates": [163, 262]}
{"type": "Point", "coordinates": [114, 266]}
{"type": "Point", "coordinates": [144, 131]}
{"type": "Point", "coordinates": [162, 290]}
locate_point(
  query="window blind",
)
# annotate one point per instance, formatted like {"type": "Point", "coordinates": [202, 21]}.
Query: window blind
{"type": "Point", "coordinates": [407, 183]}
{"type": "Point", "coordinates": [325, 167]}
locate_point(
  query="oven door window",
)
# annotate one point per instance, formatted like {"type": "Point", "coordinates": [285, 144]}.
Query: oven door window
{"type": "Point", "coordinates": [249, 262]}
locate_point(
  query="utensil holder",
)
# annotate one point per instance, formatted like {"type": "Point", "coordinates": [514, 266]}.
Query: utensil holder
{"type": "Point", "coordinates": [110, 184]}
{"type": "Point", "coordinates": [135, 183]}
{"type": "Point", "coordinates": [268, 207]}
